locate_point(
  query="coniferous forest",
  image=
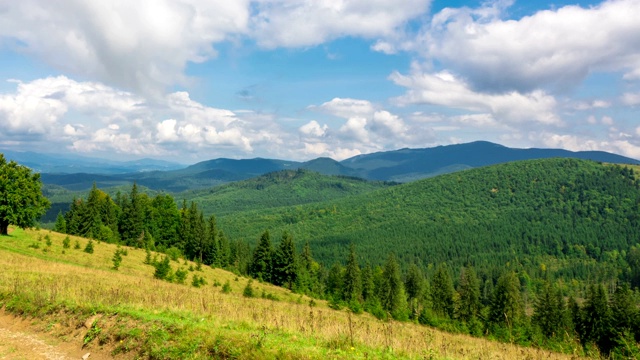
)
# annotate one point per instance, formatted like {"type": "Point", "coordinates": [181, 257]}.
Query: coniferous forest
{"type": "Point", "coordinates": [543, 253]}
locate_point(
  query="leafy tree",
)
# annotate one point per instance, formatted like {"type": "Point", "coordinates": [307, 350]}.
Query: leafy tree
{"type": "Point", "coordinates": [261, 263]}
{"type": "Point", "coordinates": [284, 262]}
{"type": "Point", "coordinates": [21, 199]}
{"type": "Point", "coordinates": [351, 284]}
{"type": "Point", "coordinates": [442, 292]}
{"type": "Point", "coordinates": [415, 287]}
{"type": "Point", "coordinates": [469, 295]}
{"type": "Point", "coordinates": [392, 294]}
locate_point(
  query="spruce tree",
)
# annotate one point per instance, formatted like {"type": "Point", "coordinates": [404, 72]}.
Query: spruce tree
{"type": "Point", "coordinates": [351, 284]}
{"type": "Point", "coordinates": [61, 224]}
{"type": "Point", "coordinates": [469, 295]}
{"type": "Point", "coordinates": [549, 311]}
{"type": "Point", "coordinates": [211, 250]}
{"type": "Point", "coordinates": [442, 292]}
{"type": "Point", "coordinates": [392, 294]}
{"type": "Point", "coordinates": [506, 306]}
{"type": "Point", "coordinates": [284, 262]}
{"type": "Point", "coordinates": [261, 263]}
{"type": "Point", "coordinates": [597, 319]}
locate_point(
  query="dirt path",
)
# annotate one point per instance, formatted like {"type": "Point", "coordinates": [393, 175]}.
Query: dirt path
{"type": "Point", "coordinates": [19, 339]}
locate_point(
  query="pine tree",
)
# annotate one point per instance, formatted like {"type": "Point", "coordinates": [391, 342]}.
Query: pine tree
{"type": "Point", "coordinates": [549, 311]}
{"type": "Point", "coordinates": [469, 295]}
{"type": "Point", "coordinates": [261, 264]}
{"type": "Point", "coordinates": [442, 292]}
{"type": "Point", "coordinates": [506, 306]}
{"type": "Point", "coordinates": [392, 294]}
{"type": "Point", "coordinates": [351, 284]}
{"type": "Point", "coordinates": [284, 262]}
{"type": "Point", "coordinates": [132, 218]}
{"type": "Point", "coordinates": [61, 224]}
{"type": "Point", "coordinates": [368, 284]}
{"type": "Point", "coordinates": [415, 288]}
{"type": "Point", "coordinates": [89, 248]}
{"type": "Point", "coordinates": [116, 259]}
{"type": "Point", "coordinates": [211, 250]}
{"type": "Point", "coordinates": [597, 320]}
{"type": "Point", "coordinates": [624, 311]}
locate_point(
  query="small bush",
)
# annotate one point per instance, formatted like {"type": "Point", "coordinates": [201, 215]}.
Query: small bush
{"type": "Point", "coordinates": [174, 253]}
{"type": "Point", "coordinates": [34, 246]}
{"type": "Point", "coordinates": [77, 245]}
{"type": "Point", "coordinates": [163, 269]}
{"type": "Point", "coordinates": [147, 259]}
{"type": "Point", "coordinates": [198, 281]}
{"type": "Point", "coordinates": [48, 239]}
{"type": "Point", "coordinates": [248, 290]}
{"type": "Point", "coordinates": [89, 248]}
{"type": "Point", "coordinates": [226, 288]}
{"type": "Point", "coordinates": [66, 243]}
{"type": "Point", "coordinates": [216, 283]}
{"type": "Point", "coordinates": [117, 259]}
{"type": "Point", "coordinates": [181, 275]}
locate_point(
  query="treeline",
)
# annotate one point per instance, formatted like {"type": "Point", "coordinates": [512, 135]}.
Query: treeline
{"type": "Point", "coordinates": [156, 223]}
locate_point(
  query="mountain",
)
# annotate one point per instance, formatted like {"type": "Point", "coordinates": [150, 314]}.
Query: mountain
{"type": "Point", "coordinates": [412, 164]}
{"type": "Point", "coordinates": [563, 212]}
{"type": "Point", "coordinates": [404, 165]}
{"type": "Point", "coordinates": [73, 164]}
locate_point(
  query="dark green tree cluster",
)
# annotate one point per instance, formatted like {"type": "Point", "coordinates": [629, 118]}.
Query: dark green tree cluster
{"type": "Point", "coordinates": [137, 220]}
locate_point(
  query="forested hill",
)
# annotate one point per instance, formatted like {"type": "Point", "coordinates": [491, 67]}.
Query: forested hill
{"type": "Point", "coordinates": [577, 211]}
{"type": "Point", "coordinates": [278, 189]}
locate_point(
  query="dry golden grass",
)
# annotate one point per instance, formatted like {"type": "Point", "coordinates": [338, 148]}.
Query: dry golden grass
{"type": "Point", "coordinates": [289, 326]}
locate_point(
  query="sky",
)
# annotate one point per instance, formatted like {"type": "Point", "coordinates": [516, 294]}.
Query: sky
{"type": "Point", "coordinates": [189, 80]}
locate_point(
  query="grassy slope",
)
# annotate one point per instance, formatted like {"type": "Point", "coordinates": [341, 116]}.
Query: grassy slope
{"type": "Point", "coordinates": [131, 314]}
{"type": "Point", "coordinates": [541, 208]}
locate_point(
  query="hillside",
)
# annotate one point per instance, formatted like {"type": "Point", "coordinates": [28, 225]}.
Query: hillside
{"type": "Point", "coordinates": [278, 189]}
{"type": "Point", "coordinates": [570, 214]}
{"type": "Point", "coordinates": [82, 301]}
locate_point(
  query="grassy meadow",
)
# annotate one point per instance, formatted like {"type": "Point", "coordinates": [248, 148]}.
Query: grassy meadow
{"type": "Point", "coordinates": [80, 298]}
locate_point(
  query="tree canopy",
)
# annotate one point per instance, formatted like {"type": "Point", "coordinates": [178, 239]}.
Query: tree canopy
{"type": "Point", "coordinates": [21, 199]}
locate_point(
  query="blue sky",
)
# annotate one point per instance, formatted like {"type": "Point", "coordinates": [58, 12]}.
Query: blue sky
{"type": "Point", "coordinates": [188, 80]}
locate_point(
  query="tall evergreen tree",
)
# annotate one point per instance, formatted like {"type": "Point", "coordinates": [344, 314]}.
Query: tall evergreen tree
{"type": "Point", "coordinates": [506, 306]}
{"type": "Point", "coordinates": [352, 286]}
{"type": "Point", "coordinates": [61, 224]}
{"type": "Point", "coordinates": [166, 218]}
{"type": "Point", "coordinates": [368, 283]}
{"type": "Point", "coordinates": [596, 324]}
{"type": "Point", "coordinates": [391, 290]}
{"type": "Point", "coordinates": [442, 292]}
{"type": "Point", "coordinates": [415, 289]}
{"type": "Point", "coordinates": [261, 263]}
{"type": "Point", "coordinates": [132, 219]}
{"type": "Point", "coordinates": [549, 311]}
{"type": "Point", "coordinates": [284, 262]}
{"type": "Point", "coordinates": [212, 245]}
{"type": "Point", "coordinates": [469, 295]}
{"type": "Point", "coordinates": [624, 311]}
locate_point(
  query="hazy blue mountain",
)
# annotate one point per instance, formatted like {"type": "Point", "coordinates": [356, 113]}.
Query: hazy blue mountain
{"type": "Point", "coordinates": [412, 164]}
{"type": "Point", "coordinates": [74, 164]}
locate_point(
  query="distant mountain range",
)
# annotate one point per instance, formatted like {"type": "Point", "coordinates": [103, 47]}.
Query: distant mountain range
{"type": "Point", "coordinates": [404, 165]}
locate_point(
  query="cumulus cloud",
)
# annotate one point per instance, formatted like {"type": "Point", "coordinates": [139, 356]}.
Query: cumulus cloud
{"type": "Point", "coordinates": [138, 45]}
{"type": "Point", "coordinates": [300, 23]}
{"type": "Point", "coordinates": [445, 89]}
{"type": "Point", "coordinates": [558, 47]}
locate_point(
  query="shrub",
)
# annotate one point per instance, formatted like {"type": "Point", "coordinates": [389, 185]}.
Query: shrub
{"type": "Point", "coordinates": [181, 275]}
{"type": "Point", "coordinates": [248, 290]}
{"type": "Point", "coordinates": [89, 248]}
{"type": "Point", "coordinates": [117, 259]}
{"type": "Point", "coordinates": [66, 243]}
{"type": "Point", "coordinates": [163, 269]}
{"type": "Point", "coordinates": [226, 288]}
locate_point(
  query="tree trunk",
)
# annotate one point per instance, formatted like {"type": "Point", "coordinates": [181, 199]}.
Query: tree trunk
{"type": "Point", "coordinates": [4, 227]}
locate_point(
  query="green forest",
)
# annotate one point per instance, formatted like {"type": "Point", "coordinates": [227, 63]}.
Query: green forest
{"type": "Point", "coordinates": [543, 253]}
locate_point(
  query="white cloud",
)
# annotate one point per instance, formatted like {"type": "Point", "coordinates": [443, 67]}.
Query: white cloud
{"type": "Point", "coordinates": [141, 45]}
{"type": "Point", "coordinates": [301, 23]}
{"type": "Point", "coordinates": [346, 107]}
{"type": "Point", "coordinates": [314, 129]}
{"type": "Point", "coordinates": [631, 99]}
{"type": "Point", "coordinates": [557, 47]}
{"type": "Point", "coordinates": [444, 89]}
